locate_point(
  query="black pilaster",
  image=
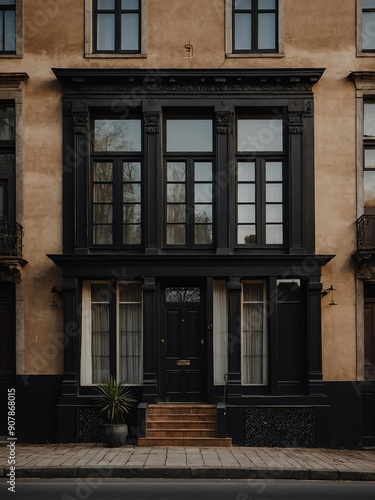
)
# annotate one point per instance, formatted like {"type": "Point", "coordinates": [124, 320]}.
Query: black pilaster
{"type": "Point", "coordinates": [72, 330]}
{"type": "Point", "coordinates": [315, 338]}
{"type": "Point", "coordinates": [234, 332]}
{"type": "Point", "coordinates": [150, 385]}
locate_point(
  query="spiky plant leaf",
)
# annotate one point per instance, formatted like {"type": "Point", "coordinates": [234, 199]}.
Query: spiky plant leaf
{"type": "Point", "coordinates": [115, 401]}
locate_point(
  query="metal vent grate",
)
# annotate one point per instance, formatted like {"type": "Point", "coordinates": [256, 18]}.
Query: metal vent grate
{"type": "Point", "coordinates": [280, 427]}
{"type": "Point", "coordinates": [87, 425]}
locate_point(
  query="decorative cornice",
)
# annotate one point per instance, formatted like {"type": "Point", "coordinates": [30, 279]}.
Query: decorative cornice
{"type": "Point", "coordinates": [223, 122]}
{"type": "Point", "coordinates": [151, 122]}
{"type": "Point", "coordinates": [12, 81]}
{"type": "Point", "coordinates": [363, 80]}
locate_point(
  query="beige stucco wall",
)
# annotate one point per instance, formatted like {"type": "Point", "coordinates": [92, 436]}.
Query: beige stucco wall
{"type": "Point", "coordinates": [319, 33]}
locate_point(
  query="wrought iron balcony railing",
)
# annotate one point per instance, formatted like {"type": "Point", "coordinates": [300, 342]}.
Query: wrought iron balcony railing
{"type": "Point", "coordinates": [11, 234]}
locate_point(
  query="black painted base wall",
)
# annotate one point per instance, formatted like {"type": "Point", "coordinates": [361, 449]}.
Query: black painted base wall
{"type": "Point", "coordinates": [36, 401]}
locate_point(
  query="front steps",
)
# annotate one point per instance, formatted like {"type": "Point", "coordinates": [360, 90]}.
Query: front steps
{"type": "Point", "coordinates": [182, 425]}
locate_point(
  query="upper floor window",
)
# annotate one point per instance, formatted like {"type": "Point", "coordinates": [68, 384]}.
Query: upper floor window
{"type": "Point", "coordinates": [260, 181]}
{"type": "Point", "coordinates": [189, 182]}
{"type": "Point", "coordinates": [116, 176]}
{"type": "Point", "coordinates": [8, 26]}
{"type": "Point", "coordinates": [368, 25]}
{"type": "Point", "coordinates": [369, 156]}
{"type": "Point", "coordinates": [254, 28]}
{"type": "Point", "coordinates": [117, 26]}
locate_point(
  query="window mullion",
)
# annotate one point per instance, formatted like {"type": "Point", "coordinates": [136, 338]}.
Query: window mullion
{"type": "Point", "coordinates": [113, 331]}
{"type": "Point", "coordinates": [260, 201]}
{"type": "Point", "coordinates": [190, 206]}
{"type": "Point", "coordinates": [255, 24]}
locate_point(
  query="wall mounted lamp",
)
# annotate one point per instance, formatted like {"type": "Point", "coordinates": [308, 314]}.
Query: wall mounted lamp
{"type": "Point", "coordinates": [330, 290]}
{"type": "Point", "coordinates": [56, 290]}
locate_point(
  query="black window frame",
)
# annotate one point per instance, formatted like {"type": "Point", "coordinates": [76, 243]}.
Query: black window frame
{"type": "Point", "coordinates": [3, 9]}
{"type": "Point", "coordinates": [118, 11]}
{"type": "Point", "coordinates": [7, 167]}
{"type": "Point", "coordinates": [117, 158]}
{"type": "Point", "coordinates": [189, 158]}
{"type": "Point", "coordinates": [260, 158]}
{"type": "Point", "coordinates": [255, 11]}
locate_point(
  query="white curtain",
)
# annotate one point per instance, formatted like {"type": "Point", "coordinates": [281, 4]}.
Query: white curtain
{"type": "Point", "coordinates": [254, 335]}
{"type": "Point", "coordinates": [86, 360]}
{"type": "Point", "coordinates": [220, 331]}
{"type": "Point", "coordinates": [130, 334]}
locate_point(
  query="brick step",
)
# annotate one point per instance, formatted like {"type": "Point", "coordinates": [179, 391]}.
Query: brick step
{"type": "Point", "coordinates": [182, 409]}
{"type": "Point", "coordinates": [192, 417]}
{"type": "Point", "coordinates": [197, 442]}
{"type": "Point", "coordinates": [182, 424]}
{"type": "Point", "coordinates": [175, 433]}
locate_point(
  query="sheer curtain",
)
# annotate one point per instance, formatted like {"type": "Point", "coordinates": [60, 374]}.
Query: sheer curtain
{"type": "Point", "coordinates": [130, 333]}
{"type": "Point", "coordinates": [254, 335]}
{"type": "Point", "coordinates": [220, 331]}
{"type": "Point", "coordinates": [95, 333]}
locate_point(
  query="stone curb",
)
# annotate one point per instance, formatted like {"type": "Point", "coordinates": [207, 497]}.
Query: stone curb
{"type": "Point", "coordinates": [187, 473]}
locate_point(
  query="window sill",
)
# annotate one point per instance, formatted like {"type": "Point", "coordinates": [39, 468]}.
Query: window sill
{"type": "Point", "coordinates": [366, 54]}
{"type": "Point", "coordinates": [255, 54]}
{"type": "Point", "coordinates": [11, 56]}
{"type": "Point", "coordinates": [115, 56]}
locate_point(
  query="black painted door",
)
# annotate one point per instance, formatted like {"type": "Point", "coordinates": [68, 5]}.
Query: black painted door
{"type": "Point", "coordinates": [183, 346]}
{"type": "Point", "coordinates": [7, 349]}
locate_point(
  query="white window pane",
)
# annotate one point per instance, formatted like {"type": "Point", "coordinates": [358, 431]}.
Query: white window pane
{"type": "Point", "coordinates": [246, 171]}
{"type": "Point", "coordinates": [260, 135]}
{"type": "Point", "coordinates": [202, 171]}
{"type": "Point", "coordinates": [129, 31]}
{"type": "Point", "coordinates": [242, 31]}
{"type": "Point", "coordinates": [106, 32]}
{"type": "Point", "coordinates": [267, 32]}
{"type": "Point", "coordinates": [370, 158]}
{"type": "Point", "coordinates": [274, 234]}
{"type": "Point", "coordinates": [369, 188]}
{"type": "Point", "coordinates": [274, 171]}
{"type": "Point", "coordinates": [274, 213]}
{"type": "Point", "coordinates": [246, 235]}
{"type": "Point", "coordinates": [189, 135]}
{"type": "Point", "coordinates": [246, 193]}
{"type": "Point", "coordinates": [246, 214]}
{"type": "Point", "coordinates": [274, 193]}
{"type": "Point", "coordinates": [203, 193]}
{"type": "Point", "coordinates": [118, 135]}
{"type": "Point", "coordinates": [369, 118]}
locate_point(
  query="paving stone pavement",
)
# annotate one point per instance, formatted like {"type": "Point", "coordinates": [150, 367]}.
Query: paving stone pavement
{"type": "Point", "coordinates": [87, 460]}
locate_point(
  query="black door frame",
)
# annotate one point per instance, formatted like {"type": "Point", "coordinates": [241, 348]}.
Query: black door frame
{"type": "Point", "coordinates": [204, 358]}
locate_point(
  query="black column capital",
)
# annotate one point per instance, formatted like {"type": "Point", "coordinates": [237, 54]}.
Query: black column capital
{"type": "Point", "coordinates": [223, 122]}
{"type": "Point", "coordinates": [295, 123]}
{"type": "Point", "coordinates": [148, 284]}
{"type": "Point", "coordinates": [151, 121]}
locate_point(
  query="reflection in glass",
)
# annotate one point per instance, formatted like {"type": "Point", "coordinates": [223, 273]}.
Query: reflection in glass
{"type": "Point", "coordinates": [103, 214]}
{"type": "Point", "coordinates": [242, 31]}
{"type": "Point", "coordinates": [176, 213]}
{"type": "Point", "coordinates": [202, 193]}
{"type": "Point", "coordinates": [189, 135]}
{"type": "Point", "coordinates": [203, 234]}
{"type": "Point", "coordinates": [131, 193]}
{"type": "Point", "coordinates": [7, 123]}
{"type": "Point", "coordinates": [105, 32]}
{"type": "Point", "coordinates": [203, 214]}
{"type": "Point", "coordinates": [182, 294]}
{"type": "Point", "coordinates": [175, 234]}
{"type": "Point", "coordinates": [132, 214]}
{"type": "Point", "coordinates": [103, 193]}
{"type": "Point", "coordinates": [369, 119]}
{"type": "Point", "coordinates": [260, 135]}
{"type": "Point", "coordinates": [267, 31]}
{"type": "Point", "coordinates": [117, 135]}
{"type": "Point", "coordinates": [176, 171]}
{"type": "Point", "coordinates": [130, 32]}
{"type": "Point", "coordinates": [246, 235]}
{"type": "Point", "coordinates": [103, 172]}
{"type": "Point", "coordinates": [131, 171]}
{"type": "Point", "coordinates": [132, 234]}
{"type": "Point", "coordinates": [176, 193]}
{"type": "Point", "coordinates": [103, 234]}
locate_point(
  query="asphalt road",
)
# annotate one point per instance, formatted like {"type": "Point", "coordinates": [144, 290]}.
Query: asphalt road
{"type": "Point", "coordinates": [158, 489]}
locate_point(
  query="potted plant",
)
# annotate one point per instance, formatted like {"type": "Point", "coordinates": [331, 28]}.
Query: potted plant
{"type": "Point", "coordinates": [115, 402]}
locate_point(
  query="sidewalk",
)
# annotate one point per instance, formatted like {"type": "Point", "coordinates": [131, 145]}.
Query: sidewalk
{"type": "Point", "coordinates": [93, 460]}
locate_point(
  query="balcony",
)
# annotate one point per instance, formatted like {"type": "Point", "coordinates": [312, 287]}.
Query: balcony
{"type": "Point", "coordinates": [365, 254]}
{"type": "Point", "coordinates": [11, 234]}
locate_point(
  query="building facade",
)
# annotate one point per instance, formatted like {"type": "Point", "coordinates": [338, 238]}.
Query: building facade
{"type": "Point", "coordinates": [182, 182]}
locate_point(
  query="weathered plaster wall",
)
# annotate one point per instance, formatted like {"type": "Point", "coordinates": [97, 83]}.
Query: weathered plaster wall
{"type": "Point", "coordinates": [319, 33]}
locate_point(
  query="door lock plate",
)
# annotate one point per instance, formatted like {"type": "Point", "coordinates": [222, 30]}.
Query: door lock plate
{"type": "Point", "coordinates": [183, 362]}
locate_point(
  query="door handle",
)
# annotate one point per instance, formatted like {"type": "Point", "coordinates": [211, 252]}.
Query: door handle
{"type": "Point", "coordinates": [162, 341]}
{"type": "Point", "coordinates": [202, 344]}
